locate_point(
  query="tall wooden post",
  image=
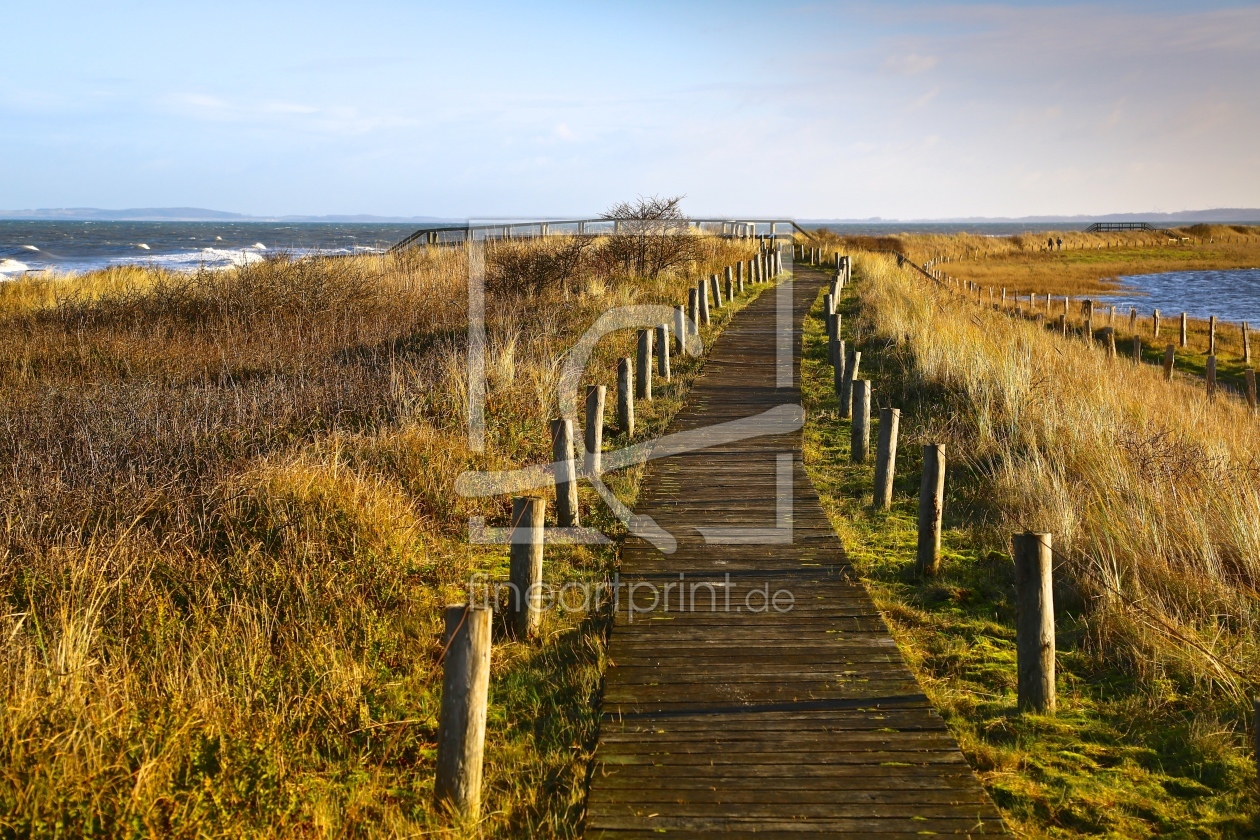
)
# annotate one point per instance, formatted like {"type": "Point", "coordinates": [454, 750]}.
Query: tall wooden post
{"type": "Point", "coordinates": [625, 395]}
{"type": "Point", "coordinates": [1246, 344]}
{"type": "Point", "coordinates": [566, 472]}
{"type": "Point", "coordinates": [833, 340]}
{"type": "Point", "coordinates": [643, 368]}
{"type": "Point", "coordinates": [680, 330]}
{"type": "Point", "coordinates": [860, 430]}
{"type": "Point", "coordinates": [703, 292]}
{"type": "Point", "coordinates": [837, 372]}
{"type": "Point", "coordinates": [525, 563]}
{"type": "Point", "coordinates": [1155, 324]}
{"type": "Point", "coordinates": [846, 386]}
{"type": "Point", "coordinates": [717, 290]}
{"type": "Point", "coordinates": [886, 456]}
{"type": "Point", "coordinates": [1183, 329]}
{"type": "Point", "coordinates": [594, 431]}
{"type": "Point", "coordinates": [1249, 376]}
{"type": "Point", "coordinates": [1088, 306]}
{"type": "Point", "coordinates": [1211, 376]}
{"type": "Point", "coordinates": [739, 275]}
{"type": "Point", "coordinates": [931, 509]}
{"type": "Point", "coordinates": [1169, 352]}
{"type": "Point", "coordinates": [462, 719]}
{"type": "Point", "coordinates": [730, 283]}
{"type": "Point", "coordinates": [662, 351]}
{"type": "Point", "coordinates": [1211, 335]}
{"type": "Point", "coordinates": [1034, 622]}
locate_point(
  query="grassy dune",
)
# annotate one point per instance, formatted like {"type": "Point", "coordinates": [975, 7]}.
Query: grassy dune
{"type": "Point", "coordinates": [1149, 490]}
{"type": "Point", "coordinates": [229, 529]}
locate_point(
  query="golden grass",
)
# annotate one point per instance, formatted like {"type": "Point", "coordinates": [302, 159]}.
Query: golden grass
{"type": "Point", "coordinates": [229, 529]}
{"type": "Point", "coordinates": [1148, 487]}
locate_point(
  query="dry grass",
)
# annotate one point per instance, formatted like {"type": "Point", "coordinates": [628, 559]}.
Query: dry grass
{"type": "Point", "coordinates": [229, 527]}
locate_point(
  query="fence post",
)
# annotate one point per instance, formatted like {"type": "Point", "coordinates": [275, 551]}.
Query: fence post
{"type": "Point", "coordinates": [1137, 348]}
{"type": "Point", "coordinates": [717, 290]}
{"type": "Point", "coordinates": [931, 508]}
{"type": "Point", "coordinates": [662, 351]}
{"type": "Point", "coordinates": [1211, 376]}
{"type": "Point", "coordinates": [739, 275]}
{"type": "Point", "coordinates": [1211, 335]}
{"type": "Point", "coordinates": [680, 330]}
{"type": "Point", "coordinates": [1034, 621]}
{"type": "Point", "coordinates": [886, 456]}
{"type": "Point", "coordinates": [625, 395]}
{"type": "Point", "coordinates": [1063, 324]}
{"type": "Point", "coordinates": [462, 719]}
{"type": "Point", "coordinates": [525, 562]}
{"type": "Point", "coordinates": [833, 339]}
{"type": "Point", "coordinates": [1110, 334]}
{"type": "Point", "coordinates": [753, 272]}
{"type": "Point", "coordinates": [1250, 376]}
{"type": "Point", "coordinates": [1133, 320]}
{"type": "Point", "coordinates": [702, 290]}
{"type": "Point", "coordinates": [643, 369]}
{"type": "Point", "coordinates": [1183, 329]}
{"type": "Point", "coordinates": [566, 472]}
{"type": "Point", "coordinates": [1246, 342]}
{"type": "Point", "coordinates": [837, 371]}
{"type": "Point", "coordinates": [730, 283]}
{"type": "Point", "coordinates": [594, 431]}
{"type": "Point", "coordinates": [1155, 324]}
{"type": "Point", "coordinates": [860, 431]}
{"type": "Point", "coordinates": [1168, 362]}
{"type": "Point", "coordinates": [846, 386]}
{"type": "Point", "coordinates": [1088, 306]}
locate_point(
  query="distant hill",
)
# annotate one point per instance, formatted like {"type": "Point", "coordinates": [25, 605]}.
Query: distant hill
{"type": "Point", "coordinates": [197, 214]}
{"type": "Point", "coordinates": [1220, 214]}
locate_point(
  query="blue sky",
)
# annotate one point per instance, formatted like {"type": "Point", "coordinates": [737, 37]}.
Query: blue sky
{"type": "Point", "coordinates": [850, 110]}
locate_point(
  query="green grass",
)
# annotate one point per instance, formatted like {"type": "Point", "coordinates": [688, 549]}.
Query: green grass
{"type": "Point", "coordinates": [1119, 759]}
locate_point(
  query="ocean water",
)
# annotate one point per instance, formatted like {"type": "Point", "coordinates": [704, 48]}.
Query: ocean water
{"type": "Point", "coordinates": [67, 246]}
{"type": "Point", "coordinates": [1230, 295]}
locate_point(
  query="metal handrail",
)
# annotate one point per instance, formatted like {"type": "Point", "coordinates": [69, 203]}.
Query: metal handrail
{"type": "Point", "coordinates": [458, 234]}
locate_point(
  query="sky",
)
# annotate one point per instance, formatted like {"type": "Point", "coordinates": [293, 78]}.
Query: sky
{"type": "Point", "coordinates": [902, 110]}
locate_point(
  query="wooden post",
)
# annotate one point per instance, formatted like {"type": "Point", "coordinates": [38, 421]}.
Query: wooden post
{"type": "Point", "coordinates": [1109, 334]}
{"type": "Point", "coordinates": [886, 456]}
{"type": "Point", "coordinates": [1155, 324]}
{"type": "Point", "coordinates": [837, 371]}
{"type": "Point", "coordinates": [1087, 306]}
{"type": "Point", "coordinates": [643, 370]}
{"type": "Point", "coordinates": [1211, 376]}
{"type": "Point", "coordinates": [1183, 329]}
{"type": "Point", "coordinates": [702, 290]}
{"type": "Point", "coordinates": [662, 351]}
{"type": "Point", "coordinates": [833, 340]}
{"type": "Point", "coordinates": [730, 283]}
{"type": "Point", "coordinates": [1034, 622]}
{"type": "Point", "coordinates": [860, 431]}
{"type": "Point", "coordinates": [1246, 343]}
{"type": "Point", "coordinates": [739, 276]}
{"type": "Point", "coordinates": [461, 737]}
{"type": "Point", "coordinates": [1137, 348]}
{"type": "Point", "coordinates": [931, 508]}
{"type": "Point", "coordinates": [525, 563]}
{"type": "Point", "coordinates": [1168, 362]}
{"type": "Point", "coordinates": [752, 271]}
{"type": "Point", "coordinates": [1133, 320]}
{"type": "Point", "coordinates": [1250, 376]}
{"type": "Point", "coordinates": [1211, 335]}
{"type": "Point", "coordinates": [625, 396]}
{"type": "Point", "coordinates": [717, 290]}
{"type": "Point", "coordinates": [594, 432]}
{"type": "Point", "coordinates": [846, 386]}
{"type": "Point", "coordinates": [1111, 316]}
{"type": "Point", "coordinates": [566, 472]}
{"type": "Point", "coordinates": [680, 330]}
{"type": "Point", "coordinates": [1003, 297]}
{"type": "Point", "coordinates": [1063, 324]}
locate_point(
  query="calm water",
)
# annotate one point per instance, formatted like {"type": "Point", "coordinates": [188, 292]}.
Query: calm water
{"type": "Point", "coordinates": [1231, 295]}
{"type": "Point", "coordinates": [81, 246]}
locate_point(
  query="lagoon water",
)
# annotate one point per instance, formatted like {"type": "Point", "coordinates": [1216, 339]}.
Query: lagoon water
{"type": "Point", "coordinates": [1230, 295]}
{"type": "Point", "coordinates": [70, 246]}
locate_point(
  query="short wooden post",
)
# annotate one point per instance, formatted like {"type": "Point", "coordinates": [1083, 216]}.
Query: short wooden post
{"type": "Point", "coordinates": [837, 371]}
{"type": "Point", "coordinates": [753, 271]}
{"type": "Point", "coordinates": [931, 509]}
{"type": "Point", "coordinates": [730, 283]}
{"type": "Point", "coordinates": [886, 456]}
{"type": "Point", "coordinates": [826, 312]}
{"type": "Point", "coordinates": [1109, 334]}
{"type": "Point", "coordinates": [1034, 622]}
{"type": "Point", "coordinates": [1133, 320]}
{"type": "Point", "coordinates": [461, 737]}
{"type": "Point", "coordinates": [593, 435]}
{"type": "Point", "coordinates": [643, 370]}
{"type": "Point", "coordinates": [662, 351]}
{"type": "Point", "coordinates": [566, 472]}
{"type": "Point", "coordinates": [1137, 348]}
{"type": "Point", "coordinates": [833, 339]}
{"type": "Point", "coordinates": [1168, 362]}
{"type": "Point", "coordinates": [1246, 344]}
{"type": "Point", "coordinates": [1211, 335]}
{"type": "Point", "coordinates": [1249, 376]}
{"type": "Point", "coordinates": [1211, 376]}
{"type": "Point", "coordinates": [860, 431]}
{"type": "Point", "coordinates": [1087, 306]}
{"type": "Point", "coordinates": [846, 386]}
{"type": "Point", "coordinates": [680, 330]}
{"type": "Point", "coordinates": [525, 563]}
{"type": "Point", "coordinates": [702, 293]}
{"type": "Point", "coordinates": [1063, 324]}
{"type": "Point", "coordinates": [1111, 316]}
{"type": "Point", "coordinates": [625, 396]}
{"type": "Point", "coordinates": [739, 276]}
{"type": "Point", "coordinates": [1155, 324]}
{"type": "Point", "coordinates": [1183, 329]}
{"type": "Point", "coordinates": [717, 290]}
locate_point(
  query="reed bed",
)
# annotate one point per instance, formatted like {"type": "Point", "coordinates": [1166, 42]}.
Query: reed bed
{"type": "Point", "coordinates": [229, 528]}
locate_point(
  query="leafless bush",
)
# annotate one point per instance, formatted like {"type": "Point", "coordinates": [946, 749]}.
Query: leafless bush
{"type": "Point", "coordinates": [652, 236]}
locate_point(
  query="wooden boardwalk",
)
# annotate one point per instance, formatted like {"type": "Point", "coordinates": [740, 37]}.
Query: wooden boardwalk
{"type": "Point", "coordinates": [720, 717]}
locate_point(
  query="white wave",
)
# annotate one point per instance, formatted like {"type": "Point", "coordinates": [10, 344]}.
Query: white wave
{"type": "Point", "coordinates": [208, 258]}
{"type": "Point", "coordinates": [30, 247]}
{"type": "Point", "coordinates": [142, 245]}
{"type": "Point", "coordinates": [8, 266]}
{"type": "Point", "coordinates": [260, 246]}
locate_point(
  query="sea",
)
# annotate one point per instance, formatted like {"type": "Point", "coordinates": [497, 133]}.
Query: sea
{"type": "Point", "coordinates": [1229, 294]}
{"type": "Point", "coordinates": [66, 247]}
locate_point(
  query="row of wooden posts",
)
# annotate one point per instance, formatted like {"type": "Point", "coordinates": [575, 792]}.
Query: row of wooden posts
{"type": "Point", "coordinates": [1034, 597]}
{"type": "Point", "coordinates": [467, 632]}
{"type": "Point", "coordinates": [1108, 333]}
